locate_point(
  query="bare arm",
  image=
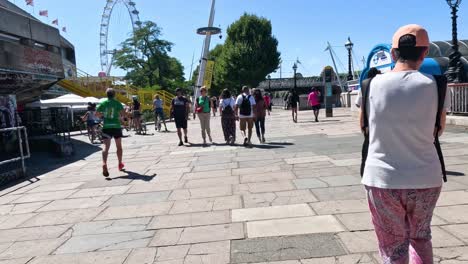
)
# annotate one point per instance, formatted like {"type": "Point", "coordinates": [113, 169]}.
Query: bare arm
{"type": "Point", "coordinates": [443, 121]}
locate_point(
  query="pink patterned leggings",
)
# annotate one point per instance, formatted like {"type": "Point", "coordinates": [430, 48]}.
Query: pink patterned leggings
{"type": "Point", "coordinates": [402, 221]}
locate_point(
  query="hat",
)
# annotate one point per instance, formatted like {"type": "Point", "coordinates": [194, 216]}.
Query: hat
{"type": "Point", "coordinates": [422, 38]}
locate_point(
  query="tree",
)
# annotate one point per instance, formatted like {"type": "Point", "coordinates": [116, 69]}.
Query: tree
{"type": "Point", "coordinates": [146, 58]}
{"type": "Point", "coordinates": [249, 53]}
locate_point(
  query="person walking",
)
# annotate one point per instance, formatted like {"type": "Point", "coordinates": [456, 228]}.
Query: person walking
{"type": "Point", "coordinates": [228, 117]}
{"type": "Point", "coordinates": [112, 113]}
{"type": "Point", "coordinates": [245, 111]}
{"type": "Point", "coordinates": [314, 102]}
{"type": "Point", "coordinates": [159, 113]}
{"type": "Point", "coordinates": [214, 104]}
{"type": "Point", "coordinates": [136, 114]}
{"type": "Point", "coordinates": [268, 102]}
{"type": "Point", "coordinates": [180, 107]}
{"type": "Point", "coordinates": [293, 101]}
{"type": "Point", "coordinates": [261, 109]}
{"type": "Point", "coordinates": [203, 108]}
{"type": "Point", "coordinates": [403, 171]}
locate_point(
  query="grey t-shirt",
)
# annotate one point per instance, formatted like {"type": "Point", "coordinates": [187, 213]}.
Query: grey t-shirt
{"type": "Point", "coordinates": [158, 104]}
{"type": "Point", "coordinates": [402, 114]}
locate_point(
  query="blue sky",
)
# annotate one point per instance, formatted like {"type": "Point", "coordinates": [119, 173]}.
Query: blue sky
{"type": "Point", "coordinates": [302, 27]}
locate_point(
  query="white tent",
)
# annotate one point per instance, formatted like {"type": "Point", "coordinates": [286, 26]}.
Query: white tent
{"type": "Point", "coordinates": [68, 100]}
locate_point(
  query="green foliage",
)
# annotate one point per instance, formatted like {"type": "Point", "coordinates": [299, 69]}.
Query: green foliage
{"type": "Point", "coordinates": [145, 56]}
{"type": "Point", "coordinates": [249, 54]}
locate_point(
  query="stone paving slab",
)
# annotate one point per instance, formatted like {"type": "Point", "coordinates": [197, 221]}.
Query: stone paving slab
{"type": "Point", "coordinates": [272, 212]}
{"type": "Point", "coordinates": [285, 248]}
{"type": "Point", "coordinates": [104, 242]}
{"type": "Point", "coordinates": [188, 220]}
{"type": "Point", "coordinates": [294, 226]}
{"type": "Point", "coordinates": [62, 217]}
{"type": "Point", "coordinates": [133, 211]}
{"type": "Point", "coordinates": [107, 257]}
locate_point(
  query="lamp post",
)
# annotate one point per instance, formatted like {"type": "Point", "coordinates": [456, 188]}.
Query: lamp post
{"type": "Point", "coordinates": [295, 77]}
{"type": "Point", "coordinates": [455, 72]}
{"type": "Point", "coordinates": [349, 46]}
{"type": "Point", "coordinates": [269, 83]}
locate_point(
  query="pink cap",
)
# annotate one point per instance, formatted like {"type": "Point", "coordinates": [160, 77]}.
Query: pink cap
{"type": "Point", "coordinates": [422, 38]}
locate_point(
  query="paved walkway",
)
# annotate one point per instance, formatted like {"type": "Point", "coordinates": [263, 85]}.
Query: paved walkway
{"type": "Point", "coordinates": [295, 200]}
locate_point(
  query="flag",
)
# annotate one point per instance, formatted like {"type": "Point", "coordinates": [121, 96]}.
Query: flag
{"type": "Point", "coordinates": [44, 13]}
{"type": "Point", "coordinates": [30, 2]}
{"type": "Point", "coordinates": [64, 29]}
{"type": "Point", "coordinates": [55, 22]}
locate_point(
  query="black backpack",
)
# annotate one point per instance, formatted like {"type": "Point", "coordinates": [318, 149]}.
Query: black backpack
{"type": "Point", "coordinates": [441, 92]}
{"type": "Point", "coordinates": [245, 107]}
{"type": "Point", "coordinates": [227, 110]}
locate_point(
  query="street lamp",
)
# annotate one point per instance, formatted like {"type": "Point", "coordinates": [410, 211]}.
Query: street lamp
{"type": "Point", "coordinates": [349, 46]}
{"type": "Point", "coordinates": [455, 72]}
{"type": "Point", "coordinates": [269, 83]}
{"type": "Point", "coordinates": [295, 78]}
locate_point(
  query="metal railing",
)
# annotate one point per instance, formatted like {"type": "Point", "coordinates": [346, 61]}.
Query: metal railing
{"type": "Point", "coordinates": [23, 146]}
{"type": "Point", "coordinates": [459, 95]}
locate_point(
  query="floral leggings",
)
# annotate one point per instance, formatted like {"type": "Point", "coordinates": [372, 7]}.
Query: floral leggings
{"type": "Point", "coordinates": [402, 221]}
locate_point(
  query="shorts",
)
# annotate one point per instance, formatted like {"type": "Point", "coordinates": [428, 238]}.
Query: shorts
{"type": "Point", "coordinates": [246, 121]}
{"type": "Point", "coordinates": [91, 123]}
{"type": "Point", "coordinates": [180, 122]}
{"type": "Point", "coordinates": [293, 105]}
{"type": "Point", "coordinates": [316, 107]}
{"type": "Point", "coordinates": [159, 112]}
{"type": "Point", "coordinates": [136, 114]}
{"type": "Point", "coordinates": [109, 133]}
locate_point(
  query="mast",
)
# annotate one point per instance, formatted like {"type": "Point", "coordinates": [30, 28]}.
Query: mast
{"type": "Point", "coordinates": [329, 48]}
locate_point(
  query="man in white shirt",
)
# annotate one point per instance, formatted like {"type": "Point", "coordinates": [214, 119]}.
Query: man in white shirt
{"type": "Point", "coordinates": [403, 174]}
{"type": "Point", "coordinates": [245, 111]}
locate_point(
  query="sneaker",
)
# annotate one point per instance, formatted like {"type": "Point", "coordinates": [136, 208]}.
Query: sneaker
{"type": "Point", "coordinates": [211, 140]}
{"type": "Point", "coordinates": [260, 140]}
{"type": "Point", "coordinates": [181, 143]}
{"type": "Point", "coordinates": [246, 140]}
{"type": "Point", "coordinates": [105, 171]}
{"type": "Point", "coordinates": [121, 166]}
{"type": "Point", "coordinates": [263, 139]}
{"type": "Point", "coordinates": [186, 139]}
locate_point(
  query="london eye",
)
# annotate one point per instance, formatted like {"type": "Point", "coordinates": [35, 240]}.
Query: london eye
{"type": "Point", "coordinates": [107, 53]}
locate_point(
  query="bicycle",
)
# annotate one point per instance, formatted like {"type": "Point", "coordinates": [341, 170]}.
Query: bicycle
{"type": "Point", "coordinates": [95, 133]}
{"type": "Point", "coordinates": [141, 130]}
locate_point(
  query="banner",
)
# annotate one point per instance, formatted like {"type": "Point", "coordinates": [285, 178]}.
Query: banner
{"type": "Point", "coordinates": [208, 74]}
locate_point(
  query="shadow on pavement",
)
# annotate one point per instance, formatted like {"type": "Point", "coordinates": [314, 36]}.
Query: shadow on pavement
{"type": "Point", "coordinates": [43, 161]}
{"type": "Point", "coordinates": [280, 143]}
{"type": "Point", "coordinates": [454, 173]}
{"type": "Point", "coordinates": [134, 176]}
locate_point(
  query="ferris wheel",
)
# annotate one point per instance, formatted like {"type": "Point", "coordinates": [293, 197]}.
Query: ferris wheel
{"type": "Point", "coordinates": [107, 55]}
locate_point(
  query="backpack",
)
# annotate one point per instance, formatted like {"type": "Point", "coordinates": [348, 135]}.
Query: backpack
{"type": "Point", "coordinates": [441, 93]}
{"type": "Point", "coordinates": [245, 107]}
{"type": "Point", "coordinates": [227, 110]}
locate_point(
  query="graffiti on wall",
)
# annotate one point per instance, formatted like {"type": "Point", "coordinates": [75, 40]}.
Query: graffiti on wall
{"type": "Point", "coordinates": [40, 61]}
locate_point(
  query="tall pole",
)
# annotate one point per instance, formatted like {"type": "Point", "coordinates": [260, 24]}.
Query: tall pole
{"type": "Point", "coordinates": [350, 70]}
{"type": "Point", "coordinates": [455, 72]}
{"type": "Point", "coordinates": [295, 81]}
{"type": "Point", "coordinates": [206, 50]}
{"type": "Point", "coordinates": [191, 67]}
